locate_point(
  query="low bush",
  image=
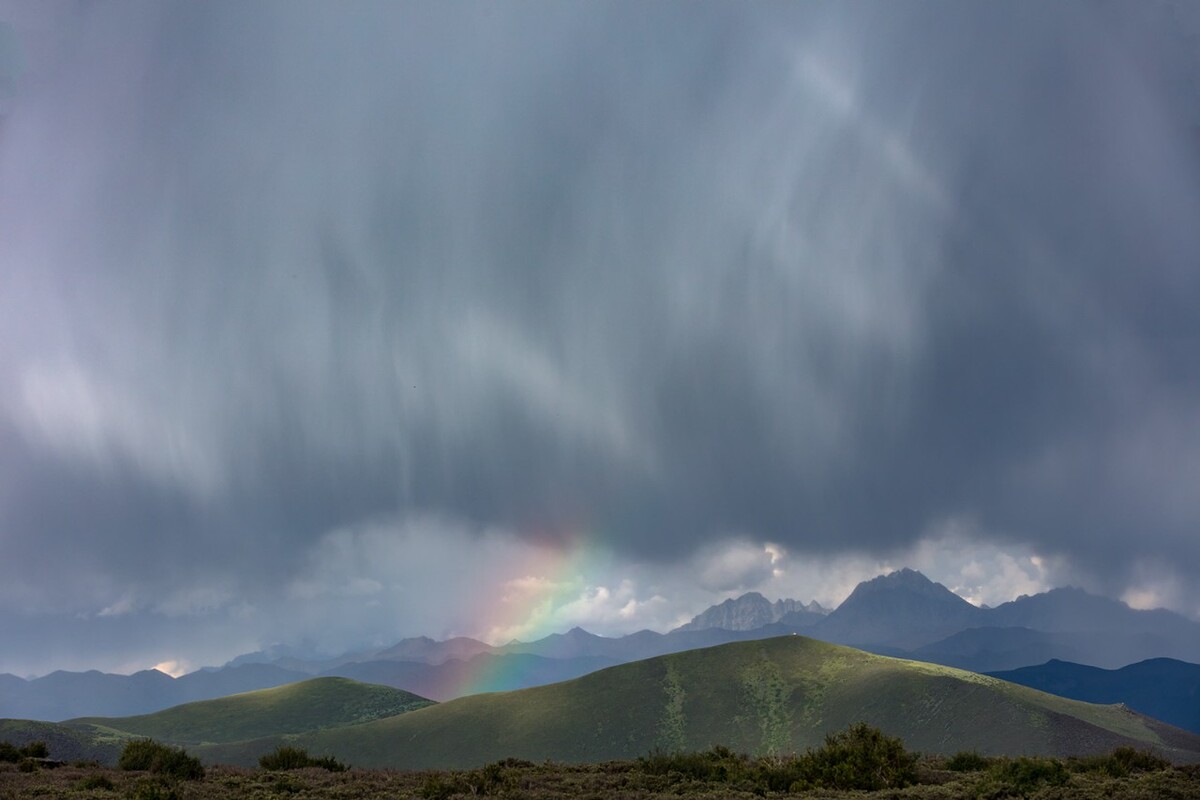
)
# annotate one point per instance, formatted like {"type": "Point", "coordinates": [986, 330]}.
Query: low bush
{"type": "Point", "coordinates": [718, 764]}
{"type": "Point", "coordinates": [95, 782]}
{"type": "Point", "coordinates": [967, 761]}
{"type": "Point", "coordinates": [1120, 762]}
{"type": "Point", "coordinates": [496, 778]}
{"type": "Point", "coordinates": [1020, 777]}
{"type": "Point", "coordinates": [161, 759]}
{"type": "Point", "coordinates": [860, 757]}
{"type": "Point", "coordinates": [297, 758]}
{"type": "Point", "coordinates": [154, 790]}
{"type": "Point", "coordinates": [10, 753]}
{"type": "Point", "coordinates": [442, 787]}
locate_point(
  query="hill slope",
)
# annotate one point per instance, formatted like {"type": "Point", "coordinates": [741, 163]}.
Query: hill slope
{"type": "Point", "coordinates": [483, 673]}
{"type": "Point", "coordinates": [298, 707]}
{"type": "Point", "coordinates": [775, 695]}
{"type": "Point", "coordinates": [66, 742]}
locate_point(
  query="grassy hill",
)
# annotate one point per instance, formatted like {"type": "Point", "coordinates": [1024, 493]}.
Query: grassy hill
{"type": "Point", "coordinates": [260, 717]}
{"type": "Point", "coordinates": [295, 708]}
{"type": "Point", "coordinates": [66, 742]}
{"type": "Point", "coordinates": [773, 696]}
{"type": "Point", "coordinates": [778, 695]}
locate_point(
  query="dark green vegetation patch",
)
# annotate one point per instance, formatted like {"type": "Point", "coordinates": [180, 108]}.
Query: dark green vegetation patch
{"type": "Point", "coordinates": [285, 758]}
{"type": "Point", "coordinates": [148, 755]}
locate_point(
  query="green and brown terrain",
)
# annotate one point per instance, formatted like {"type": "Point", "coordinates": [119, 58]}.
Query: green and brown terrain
{"type": "Point", "coordinates": [317, 704]}
{"type": "Point", "coordinates": [769, 697]}
{"type": "Point", "coordinates": [279, 713]}
{"type": "Point", "coordinates": [772, 696]}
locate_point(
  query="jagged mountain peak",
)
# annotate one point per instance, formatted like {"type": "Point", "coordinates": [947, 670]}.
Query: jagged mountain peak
{"type": "Point", "coordinates": [751, 611]}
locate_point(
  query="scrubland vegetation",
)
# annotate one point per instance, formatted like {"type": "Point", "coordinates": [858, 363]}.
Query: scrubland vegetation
{"type": "Point", "coordinates": [857, 762]}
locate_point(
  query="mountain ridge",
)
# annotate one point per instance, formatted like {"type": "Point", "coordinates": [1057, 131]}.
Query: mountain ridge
{"type": "Point", "coordinates": [902, 614]}
{"type": "Point", "coordinates": [1163, 688]}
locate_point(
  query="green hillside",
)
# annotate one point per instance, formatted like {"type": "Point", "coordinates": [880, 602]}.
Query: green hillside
{"type": "Point", "coordinates": [295, 708]}
{"type": "Point", "coordinates": [252, 720]}
{"type": "Point", "coordinates": [66, 742]}
{"type": "Point", "coordinates": [778, 695]}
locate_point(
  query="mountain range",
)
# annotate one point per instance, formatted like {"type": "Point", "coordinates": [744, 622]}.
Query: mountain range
{"type": "Point", "coordinates": [900, 614]}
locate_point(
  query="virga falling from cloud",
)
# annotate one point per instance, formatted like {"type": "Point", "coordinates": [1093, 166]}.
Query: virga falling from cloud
{"type": "Point", "coordinates": [820, 275]}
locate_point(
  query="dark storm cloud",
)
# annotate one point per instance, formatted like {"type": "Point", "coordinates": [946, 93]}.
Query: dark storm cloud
{"type": "Point", "coordinates": [823, 275]}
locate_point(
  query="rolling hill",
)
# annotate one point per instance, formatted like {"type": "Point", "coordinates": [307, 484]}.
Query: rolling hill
{"type": "Point", "coordinates": [295, 708]}
{"type": "Point", "coordinates": [65, 742]}
{"type": "Point", "coordinates": [263, 715]}
{"type": "Point", "coordinates": [775, 695]}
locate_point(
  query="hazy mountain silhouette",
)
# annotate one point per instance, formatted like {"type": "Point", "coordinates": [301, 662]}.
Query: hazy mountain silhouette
{"type": "Point", "coordinates": [64, 695]}
{"type": "Point", "coordinates": [903, 610]}
{"type": "Point", "coordinates": [1163, 688]}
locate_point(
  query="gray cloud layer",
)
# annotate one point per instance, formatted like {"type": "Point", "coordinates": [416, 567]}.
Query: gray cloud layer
{"type": "Point", "coordinates": [819, 274]}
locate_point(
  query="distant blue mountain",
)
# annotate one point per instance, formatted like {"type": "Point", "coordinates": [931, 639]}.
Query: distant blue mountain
{"type": "Point", "coordinates": [65, 695]}
{"type": "Point", "coordinates": [1163, 688]}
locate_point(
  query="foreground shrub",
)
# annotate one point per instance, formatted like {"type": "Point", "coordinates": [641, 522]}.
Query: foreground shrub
{"type": "Point", "coordinates": [860, 757]}
{"type": "Point", "coordinates": [1022, 776]}
{"type": "Point", "coordinates": [161, 759]}
{"type": "Point", "coordinates": [1120, 762]}
{"type": "Point", "coordinates": [154, 790]}
{"type": "Point", "coordinates": [297, 758]}
{"type": "Point", "coordinates": [718, 764]}
{"type": "Point", "coordinates": [967, 761]}
{"type": "Point", "coordinates": [10, 753]}
{"type": "Point", "coordinates": [95, 782]}
{"type": "Point", "coordinates": [497, 778]}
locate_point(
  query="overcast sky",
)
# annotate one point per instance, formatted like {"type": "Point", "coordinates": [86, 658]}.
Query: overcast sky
{"type": "Point", "coordinates": [335, 323]}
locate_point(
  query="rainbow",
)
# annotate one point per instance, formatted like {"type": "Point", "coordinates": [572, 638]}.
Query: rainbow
{"type": "Point", "coordinates": [552, 578]}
